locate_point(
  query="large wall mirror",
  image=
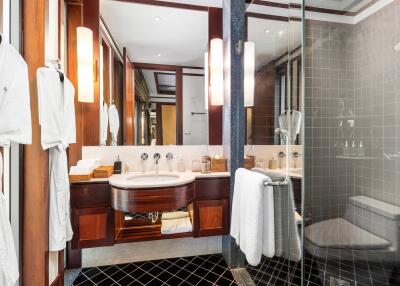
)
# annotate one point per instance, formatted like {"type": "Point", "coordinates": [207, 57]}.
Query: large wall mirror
{"type": "Point", "coordinates": [277, 91]}
{"type": "Point", "coordinates": [152, 71]}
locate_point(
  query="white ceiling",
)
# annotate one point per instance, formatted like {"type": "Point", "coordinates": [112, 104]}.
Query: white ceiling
{"type": "Point", "coordinates": [151, 83]}
{"type": "Point", "coordinates": [154, 34]}
{"type": "Point", "coordinates": [272, 38]}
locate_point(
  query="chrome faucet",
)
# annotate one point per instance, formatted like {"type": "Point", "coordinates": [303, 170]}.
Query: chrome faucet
{"type": "Point", "coordinates": [169, 156]}
{"type": "Point", "coordinates": [156, 158]}
{"type": "Point", "coordinates": [144, 156]}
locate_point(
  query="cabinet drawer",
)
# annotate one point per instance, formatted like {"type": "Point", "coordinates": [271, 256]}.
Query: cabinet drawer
{"type": "Point", "coordinates": [212, 189]}
{"type": "Point", "coordinates": [90, 195]}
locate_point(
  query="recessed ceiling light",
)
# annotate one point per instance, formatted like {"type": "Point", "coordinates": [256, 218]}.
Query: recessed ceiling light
{"type": "Point", "coordinates": [157, 18]}
{"type": "Point", "coordinates": [158, 55]}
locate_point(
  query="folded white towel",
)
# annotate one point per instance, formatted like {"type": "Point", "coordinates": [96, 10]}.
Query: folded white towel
{"type": "Point", "coordinates": [252, 223]}
{"type": "Point", "coordinates": [79, 170]}
{"type": "Point", "coordinates": [180, 225]}
{"type": "Point", "coordinates": [174, 215]}
{"type": "Point", "coordinates": [93, 163]}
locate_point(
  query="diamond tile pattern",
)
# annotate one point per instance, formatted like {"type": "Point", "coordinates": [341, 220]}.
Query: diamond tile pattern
{"type": "Point", "coordinates": [195, 270]}
{"type": "Point", "coordinates": [318, 272]}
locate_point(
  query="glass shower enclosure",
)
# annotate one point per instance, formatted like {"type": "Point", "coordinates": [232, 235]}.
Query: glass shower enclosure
{"type": "Point", "coordinates": [336, 66]}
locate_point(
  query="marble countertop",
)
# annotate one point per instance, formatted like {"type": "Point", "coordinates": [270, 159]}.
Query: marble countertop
{"type": "Point", "coordinates": [195, 174]}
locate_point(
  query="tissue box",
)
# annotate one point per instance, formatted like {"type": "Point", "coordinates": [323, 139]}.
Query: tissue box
{"type": "Point", "coordinates": [249, 162]}
{"type": "Point", "coordinates": [218, 165]}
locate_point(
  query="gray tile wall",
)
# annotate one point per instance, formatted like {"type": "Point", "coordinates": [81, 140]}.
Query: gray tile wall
{"type": "Point", "coordinates": [352, 92]}
{"type": "Point", "coordinates": [352, 78]}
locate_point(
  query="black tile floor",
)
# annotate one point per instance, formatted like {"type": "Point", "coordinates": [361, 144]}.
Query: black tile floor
{"type": "Point", "coordinates": [195, 270]}
{"type": "Point", "coordinates": [317, 272]}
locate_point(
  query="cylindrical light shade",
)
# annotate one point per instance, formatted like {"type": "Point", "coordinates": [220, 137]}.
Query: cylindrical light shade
{"type": "Point", "coordinates": [249, 70]}
{"type": "Point", "coordinates": [216, 72]}
{"type": "Point", "coordinates": [206, 79]}
{"type": "Point", "coordinates": [85, 64]}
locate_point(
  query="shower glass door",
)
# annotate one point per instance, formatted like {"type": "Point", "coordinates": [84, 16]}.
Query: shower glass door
{"type": "Point", "coordinates": [273, 130]}
{"type": "Point", "coordinates": [351, 211]}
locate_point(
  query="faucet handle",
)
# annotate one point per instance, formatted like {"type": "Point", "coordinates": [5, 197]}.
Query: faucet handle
{"type": "Point", "coordinates": [169, 156]}
{"type": "Point", "coordinates": [144, 156]}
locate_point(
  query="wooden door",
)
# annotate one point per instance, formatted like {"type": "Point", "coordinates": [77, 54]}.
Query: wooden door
{"type": "Point", "coordinates": [211, 217]}
{"type": "Point", "coordinates": [93, 227]}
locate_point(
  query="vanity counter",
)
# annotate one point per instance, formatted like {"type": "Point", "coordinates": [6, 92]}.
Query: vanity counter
{"type": "Point", "coordinates": [197, 175]}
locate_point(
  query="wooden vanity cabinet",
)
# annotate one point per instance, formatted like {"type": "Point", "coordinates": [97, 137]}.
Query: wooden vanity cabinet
{"type": "Point", "coordinates": [92, 217]}
{"type": "Point", "coordinates": [211, 207]}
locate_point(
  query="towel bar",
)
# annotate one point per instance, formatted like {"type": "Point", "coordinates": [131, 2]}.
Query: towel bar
{"type": "Point", "coordinates": [276, 184]}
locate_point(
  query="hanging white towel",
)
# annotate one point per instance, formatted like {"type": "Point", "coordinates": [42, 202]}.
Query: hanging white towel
{"type": "Point", "coordinates": [287, 236]}
{"type": "Point", "coordinates": [252, 222]}
{"type": "Point", "coordinates": [104, 124]}
{"type": "Point", "coordinates": [57, 120]}
{"type": "Point", "coordinates": [113, 119]}
{"type": "Point", "coordinates": [15, 125]}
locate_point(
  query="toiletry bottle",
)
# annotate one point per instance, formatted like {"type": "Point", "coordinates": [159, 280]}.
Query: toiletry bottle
{"type": "Point", "coordinates": [273, 163]}
{"type": "Point", "coordinates": [117, 166]}
{"type": "Point", "coordinates": [181, 165]}
{"type": "Point", "coordinates": [361, 149]}
{"type": "Point", "coordinates": [346, 149]}
{"type": "Point", "coordinates": [353, 151]}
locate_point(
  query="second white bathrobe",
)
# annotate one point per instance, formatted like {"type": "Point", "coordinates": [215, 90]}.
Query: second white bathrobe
{"type": "Point", "coordinates": [57, 120]}
{"type": "Point", "coordinates": [15, 126]}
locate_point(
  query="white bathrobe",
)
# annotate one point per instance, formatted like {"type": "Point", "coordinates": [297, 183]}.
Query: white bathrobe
{"type": "Point", "coordinates": [57, 121]}
{"type": "Point", "coordinates": [15, 125]}
{"type": "Point", "coordinates": [104, 124]}
{"type": "Point", "coordinates": [113, 119]}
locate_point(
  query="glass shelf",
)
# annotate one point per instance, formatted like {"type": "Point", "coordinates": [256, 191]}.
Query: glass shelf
{"type": "Point", "coordinates": [356, 157]}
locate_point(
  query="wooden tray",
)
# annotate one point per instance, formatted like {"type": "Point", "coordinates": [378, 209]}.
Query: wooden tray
{"type": "Point", "coordinates": [79, 178]}
{"type": "Point", "coordinates": [103, 172]}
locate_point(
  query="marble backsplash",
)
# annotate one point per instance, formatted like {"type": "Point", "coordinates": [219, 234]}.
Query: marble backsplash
{"type": "Point", "coordinates": [130, 155]}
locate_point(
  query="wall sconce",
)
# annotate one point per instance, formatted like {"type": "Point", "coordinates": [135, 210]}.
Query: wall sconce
{"type": "Point", "coordinates": [249, 70]}
{"type": "Point", "coordinates": [85, 64]}
{"type": "Point", "coordinates": [216, 72]}
{"type": "Point", "coordinates": [206, 79]}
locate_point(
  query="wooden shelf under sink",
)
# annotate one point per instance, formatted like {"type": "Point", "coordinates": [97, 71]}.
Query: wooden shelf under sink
{"type": "Point", "coordinates": [136, 230]}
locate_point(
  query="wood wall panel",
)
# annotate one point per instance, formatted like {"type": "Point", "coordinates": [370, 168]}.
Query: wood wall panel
{"type": "Point", "coordinates": [84, 13]}
{"type": "Point", "coordinates": [36, 189]}
{"type": "Point", "coordinates": [214, 112]}
{"type": "Point", "coordinates": [129, 101]}
{"type": "Point", "coordinates": [74, 8]}
{"type": "Point", "coordinates": [179, 106]}
{"type": "Point", "coordinates": [263, 119]}
{"type": "Point", "coordinates": [91, 111]}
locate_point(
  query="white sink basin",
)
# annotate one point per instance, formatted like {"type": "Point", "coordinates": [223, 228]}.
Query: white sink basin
{"type": "Point", "coordinates": [152, 178]}
{"type": "Point", "coordinates": [141, 181]}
